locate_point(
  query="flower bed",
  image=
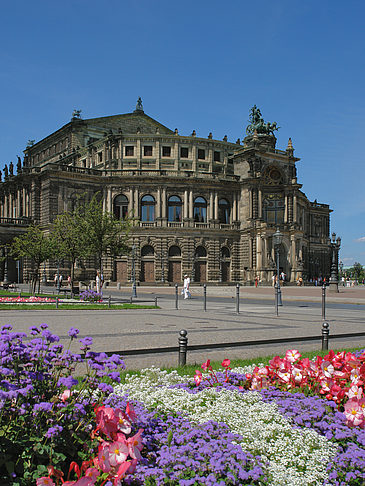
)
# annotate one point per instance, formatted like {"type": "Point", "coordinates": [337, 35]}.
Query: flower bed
{"type": "Point", "coordinates": [241, 426]}
{"type": "Point", "coordinates": [26, 300]}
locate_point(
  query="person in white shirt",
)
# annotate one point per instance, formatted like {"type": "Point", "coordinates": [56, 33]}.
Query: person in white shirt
{"type": "Point", "coordinates": [186, 288]}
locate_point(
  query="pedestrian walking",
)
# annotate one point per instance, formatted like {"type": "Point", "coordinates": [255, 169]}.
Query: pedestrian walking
{"type": "Point", "coordinates": [186, 288]}
{"type": "Point", "coordinates": [98, 282]}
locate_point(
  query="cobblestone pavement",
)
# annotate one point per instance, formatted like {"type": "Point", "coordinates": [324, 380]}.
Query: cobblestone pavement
{"type": "Point", "coordinates": [118, 330]}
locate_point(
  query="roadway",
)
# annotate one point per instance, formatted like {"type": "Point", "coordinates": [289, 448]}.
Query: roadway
{"type": "Point", "coordinates": [117, 330]}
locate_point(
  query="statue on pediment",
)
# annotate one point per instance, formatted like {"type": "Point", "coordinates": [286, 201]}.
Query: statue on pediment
{"type": "Point", "coordinates": [258, 124]}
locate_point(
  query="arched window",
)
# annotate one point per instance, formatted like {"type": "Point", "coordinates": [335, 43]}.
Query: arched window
{"type": "Point", "coordinates": [148, 208]}
{"type": "Point", "coordinates": [174, 251]}
{"type": "Point", "coordinates": [200, 210]}
{"type": "Point", "coordinates": [147, 251]}
{"type": "Point", "coordinates": [200, 252]}
{"type": "Point", "coordinates": [120, 207]}
{"type": "Point", "coordinates": [175, 205]}
{"type": "Point", "coordinates": [225, 253]}
{"type": "Point", "coordinates": [224, 211]}
{"type": "Point", "coordinates": [273, 208]}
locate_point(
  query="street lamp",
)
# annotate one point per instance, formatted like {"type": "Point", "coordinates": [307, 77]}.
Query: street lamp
{"type": "Point", "coordinates": [277, 240]}
{"type": "Point", "coordinates": [162, 266]}
{"type": "Point", "coordinates": [6, 265]}
{"type": "Point", "coordinates": [134, 287]}
{"type": "Point", "coordinates": [44, 273]}
{"type": "Point", "coordinates": [335, 244]}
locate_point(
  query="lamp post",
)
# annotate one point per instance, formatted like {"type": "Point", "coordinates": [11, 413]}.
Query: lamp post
{"type": "Point", "coordinates": [6, 265]}
{"type": "Point", "coordinates": [335, 244]}
{"type": "Point", "coordinates": [162, 266]}
{"type": "Point", "coordinates": [44, 273]}
{"type": "Point", "coordinates": [277, 239]}
{"type": "Point", "coordinates": [134, 287]}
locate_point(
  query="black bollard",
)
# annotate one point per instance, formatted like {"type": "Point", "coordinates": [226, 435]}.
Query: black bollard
{"type": "Point", "coordinates": [324, 302]}
{"type": "Point", "coordinates": [183, 347]}
{"type": "Point", "coordinates": [205, 297]}
{"type": "Point", "coordinates": [276, 300]}
{"type": "Point", "coordinates": [56, 302]}
{"type": "Point", "coordinates": [155, 301]}
{"type": "Point", "coordinates": [176, 296]}
{"type": "Point", "coordinates": [237, 298]}
{"type": "Point", "coordinates": [325, 334]}
{"type": "Point", "coordinates": [109, 301]}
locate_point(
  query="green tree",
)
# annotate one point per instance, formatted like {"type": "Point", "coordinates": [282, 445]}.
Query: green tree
{"type": "Point", "coordinates": [357, 270]}
{"type": "Point", "coordinates": [104, 234]}
{"type": "Point", "coordinates": [68, 237]}
{"type": "Point", "coordinates": [36, 246]}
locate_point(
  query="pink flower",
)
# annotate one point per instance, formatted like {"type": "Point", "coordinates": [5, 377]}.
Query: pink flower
{"type": "Point", "coordinates": [205, 366]}
{"type": "Point", "coordinates": [135, 445]}
{"type": "Point", "coordinates": [118, 453]}
{"type": "Point", "coordinates": [65, 395]}
{"type": "Point", "coordinates": [198, 377]}
{"type": "Point", "coordinates": [106, 421]}
{"type": "Point", "coordinates": [226, 363]}
{"type": "Point", "coordinates": [354, 413]}
{"type": "Point", "coordinates": [103, 458]}
{"type": "Point", "coordinates": [45, 481]}
{"type": "Point", "coordinates": [80, 482]}
{"type": "Point", "coordinates": [355, 376]}
{"type": "Point", "coordinates": [292, 355]}
{"type": "Point", "coordinates": [123, 424]}
{"type": "Point", "coordinates": [354, 392]}
{"type": "Point", "coordinates": [129, 410]}
{"type": "Point", "coordinates": [92, 473]}
{"type": "Point", "coordinates": [327, 369]}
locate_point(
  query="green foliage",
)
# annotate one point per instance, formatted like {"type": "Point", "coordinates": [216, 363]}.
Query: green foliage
{"type": "Point", "coordinates": [357, 271]}
{"type": "Point", "coordinates": [104, 235]}
{"type": "Point", "coordinates": [36, 246]}
{"type": "Point", "coordinates": [68, 237]}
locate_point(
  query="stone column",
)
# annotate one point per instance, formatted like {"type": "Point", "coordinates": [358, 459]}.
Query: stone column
{"type": "Point", "coordinates": [136, 203]}
{"type": "Point", "coordinates": [294, 209]}
{"type": "Point", "coordinates": [186, 214]}
{"type": "Point", "coordinates": [234, 209]}
{"type": "Point", "coordinates": [138, 153]}
{"type": "Point", "coordinates": [158, 155]}
{"type": "Point", "coordinates": [258, 252]}
{"type": "Point", "coordinates": [260, 204]}
{"type": "Point", "coordinates": [286, 209]}
{"type": "Point", "coordinates": [216, 206]}
{"type": "Point", "coordinates": [158, 206]}
{"type": "Point", "coordinates": [191, 204]}
{"type": "Point", "coordinates": [211, 211]}
{"type": "Point", "coordinates": [109, 200]}
{"type": "Point", "coordinates": [250, 203]}
{"type": "Point", "coordinates": [164, 212]}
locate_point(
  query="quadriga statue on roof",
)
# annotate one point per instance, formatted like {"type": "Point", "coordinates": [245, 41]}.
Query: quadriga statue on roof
{"type": "Point", "coordinates": [258, 125]}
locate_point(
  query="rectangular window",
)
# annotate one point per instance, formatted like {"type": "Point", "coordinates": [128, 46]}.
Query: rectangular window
{"type": "Point", "coordinates": [184, 152]}
{"type": "Point", "coordinates": [129, 151]}
{"type": "Point", "coordinates": [166, 151]}
{"type": "Point", "coordinates": [217, 156]}
{"type": "Point", "coordinates": [201, 154]}
{"type": "Point", "coordinates": [100, 156]}
{"type": "Point", "coordinates": [147, 150]}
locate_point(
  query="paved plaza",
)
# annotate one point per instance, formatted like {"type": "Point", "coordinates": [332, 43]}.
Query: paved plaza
{"type": "Point", "coordinates": [118, 330]}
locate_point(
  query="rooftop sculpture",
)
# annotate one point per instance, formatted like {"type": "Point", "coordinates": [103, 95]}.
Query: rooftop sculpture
{"type": "Point", "coordinates": [258, 124]}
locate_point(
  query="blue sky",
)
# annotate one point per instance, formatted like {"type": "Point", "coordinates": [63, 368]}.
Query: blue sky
{"type": "Point", "coordinates": [200, 65]}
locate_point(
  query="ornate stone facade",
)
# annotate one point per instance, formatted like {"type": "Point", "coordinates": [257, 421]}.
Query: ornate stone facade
{"type": "Point", "coordinates": [201, 206]}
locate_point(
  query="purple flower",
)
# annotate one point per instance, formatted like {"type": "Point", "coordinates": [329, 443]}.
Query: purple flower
{"type": "Point", "coordinates": [105, 388]}
{"type": "Point", "coordinates": [53, 431]}
{"type": "Point", "coordinates": [85, 342]}
{"type": "Point", "coordinates": [68, 381]}
{"type": "Point", "coordinates": [43, 406]}
{"type": "Point", "coordinates": [73, 332]}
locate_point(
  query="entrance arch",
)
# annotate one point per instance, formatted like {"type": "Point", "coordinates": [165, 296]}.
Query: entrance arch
{"type": "Point", "coordinates": [147, 264]}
